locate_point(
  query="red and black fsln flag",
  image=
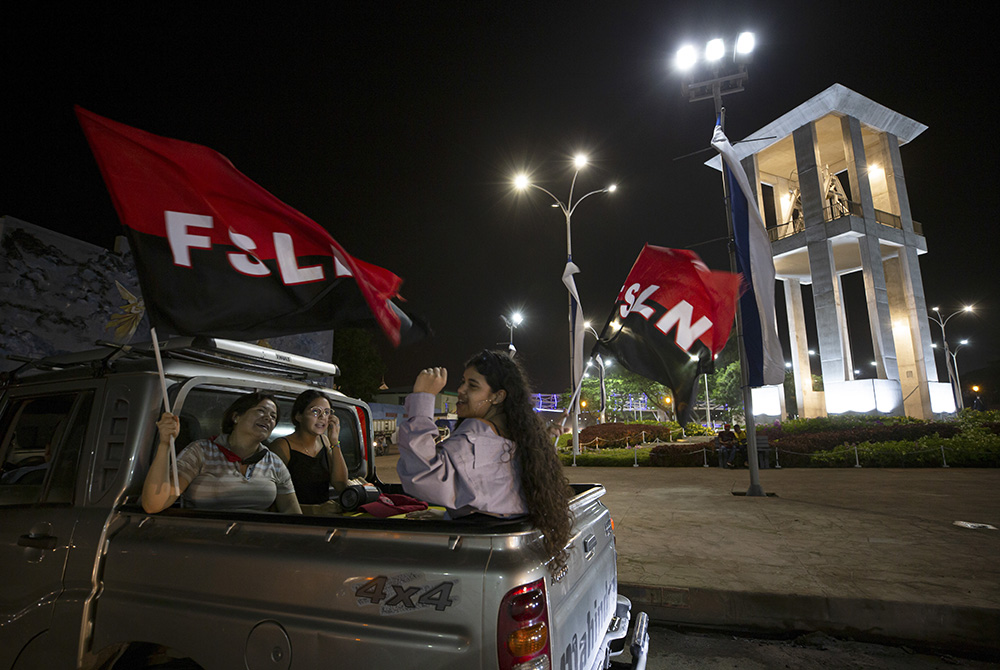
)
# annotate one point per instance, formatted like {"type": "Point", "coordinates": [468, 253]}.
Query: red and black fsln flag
{"type": "Point", "coordinates": [672, 316]}
{"type": "Point", "coordinates": [219, 256]}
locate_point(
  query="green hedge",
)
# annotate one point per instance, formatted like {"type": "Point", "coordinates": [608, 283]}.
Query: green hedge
{"type": "Point", "coordinates": [620, 435]}
{"type": "Point", "coordinates": [974, 448]}
{"type": "Point", "coordinates": [972, 440]}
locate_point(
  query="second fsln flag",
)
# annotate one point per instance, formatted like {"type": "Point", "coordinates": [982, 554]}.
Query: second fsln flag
{"type": "Point", "coordinates": [672, 316]}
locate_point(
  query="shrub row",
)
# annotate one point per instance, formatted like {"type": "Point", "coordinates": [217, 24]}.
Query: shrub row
{"type": "Point", "coordinates": [962, 451]}
{"type": "Point", "coordinates": [971, 440]}
{"type": "Point", "coordinates": [802, 443]}
{"type": "Point", "coordinates": [838, 423]}
{"type": "Point", "coordinates": [620, 435]}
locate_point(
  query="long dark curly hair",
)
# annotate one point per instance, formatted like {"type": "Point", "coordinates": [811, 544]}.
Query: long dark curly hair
{"type": "Point", "coordinates": [545, 487]}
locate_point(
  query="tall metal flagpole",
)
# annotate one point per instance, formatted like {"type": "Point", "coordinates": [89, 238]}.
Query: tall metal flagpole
{"type": "Point", "coordinates": [755, 487]}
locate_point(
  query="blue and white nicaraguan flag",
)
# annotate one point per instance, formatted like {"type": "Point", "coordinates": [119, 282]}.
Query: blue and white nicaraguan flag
{"type": "Point", "coordinates": [765, 364]}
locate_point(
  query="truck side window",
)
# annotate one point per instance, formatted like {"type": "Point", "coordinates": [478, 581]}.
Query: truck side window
{"type": "Point", "coordinates": [202, 412]}
{"type": "Point", "coordinates": [42, 439]}
{"type": "Point", "coordinates": [350, 444]}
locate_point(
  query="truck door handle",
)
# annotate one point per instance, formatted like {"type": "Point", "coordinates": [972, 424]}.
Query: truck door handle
{"type": "Point", "coordinates": [37, 541]}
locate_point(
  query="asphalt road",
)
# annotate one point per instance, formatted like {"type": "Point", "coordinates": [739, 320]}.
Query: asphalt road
{"type": "Point", "coordinates": [669, 648]}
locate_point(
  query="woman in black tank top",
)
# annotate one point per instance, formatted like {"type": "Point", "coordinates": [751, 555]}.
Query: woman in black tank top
{"type": "Point", "coordinates": [312, 452]}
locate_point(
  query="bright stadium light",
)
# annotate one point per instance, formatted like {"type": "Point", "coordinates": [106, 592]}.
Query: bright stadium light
{"type": "Point", "coordinates": [744, 43]}
{"type": "Point", "coordinates": [715, 50]}
{"type": "Point", "coordinates": [686, 57]}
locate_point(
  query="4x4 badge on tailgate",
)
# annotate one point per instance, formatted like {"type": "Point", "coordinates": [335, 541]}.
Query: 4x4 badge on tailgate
{"type": "Point", "coordinates": [404, 593]}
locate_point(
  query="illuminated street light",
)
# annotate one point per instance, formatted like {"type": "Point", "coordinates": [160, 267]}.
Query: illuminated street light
{"type": "Point", "coordinates": [954, 365]}
{"type": "Point", "coordinates": [513, 322]}
{"type": "Point", "coordinates": [949, 358]}
{"type": "Point", "coordinates": [522, 182]}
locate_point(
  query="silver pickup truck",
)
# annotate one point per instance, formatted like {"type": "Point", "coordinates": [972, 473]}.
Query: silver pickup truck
{"type": "Point", "coordinates": [90, 580]}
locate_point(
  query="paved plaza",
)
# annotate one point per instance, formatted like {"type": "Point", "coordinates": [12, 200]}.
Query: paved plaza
{"type": "Point", "coordinates": [867, 553]}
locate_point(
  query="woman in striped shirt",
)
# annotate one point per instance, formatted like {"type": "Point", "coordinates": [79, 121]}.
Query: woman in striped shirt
{"type": "Point", "coordinates": [232, 470]}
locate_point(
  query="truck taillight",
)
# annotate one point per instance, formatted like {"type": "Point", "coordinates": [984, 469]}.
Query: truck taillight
{"type": "Point", "coordinates": [523, 629]}
{"type": "Point", "coordinates": [364, 430]}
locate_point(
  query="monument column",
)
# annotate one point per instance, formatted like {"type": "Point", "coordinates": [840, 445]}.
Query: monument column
{"type": "Point", "coordinates": [798, 344]}
{"type": "Point", "coordinates": [857, 168]}
{"type": "Point", "coordinates": [911, 283]}
{"type": "Point", "coordinates": [869, 247]}
{"type": "Point", "coordinates": [826, 299]}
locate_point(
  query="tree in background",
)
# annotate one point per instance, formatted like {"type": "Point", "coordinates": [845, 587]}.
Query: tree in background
{"type": "Point", "coordinates": [791, 405]}
{"type": "Point", "coordinates": [621, 384]}
{"type": "Point", "coordinates": [361, 366]}
{"type": "Point", "coordinates": [726, 391]}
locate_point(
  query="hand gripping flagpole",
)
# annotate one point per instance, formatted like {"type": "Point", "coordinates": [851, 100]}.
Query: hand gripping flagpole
{"type": "Point", "coordinates": [172, 454]}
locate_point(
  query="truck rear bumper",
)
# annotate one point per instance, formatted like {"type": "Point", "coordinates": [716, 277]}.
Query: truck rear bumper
{"type": "Point", "coordinates": [615, 638]}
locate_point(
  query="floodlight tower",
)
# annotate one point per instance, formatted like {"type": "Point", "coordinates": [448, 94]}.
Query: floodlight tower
{"type": "Point", "coordinates": [728, 76]}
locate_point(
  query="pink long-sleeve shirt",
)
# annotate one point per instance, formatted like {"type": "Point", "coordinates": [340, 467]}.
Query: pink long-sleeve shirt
{"type": "Point", "coordinates": [474, 470]}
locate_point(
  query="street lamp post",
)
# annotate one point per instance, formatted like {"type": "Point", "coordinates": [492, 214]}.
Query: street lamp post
{"type": "Point", "coordinates": [949, 361]}
{"type": "Point", "coordinates": [723, 82]}
{"type": "Point", "coordinates": [600, 363]}
{"type": "Point", "coordinates": [522, 183]}
{"type": "Point", "coordinates": [708, 405]}
{"type": "Point", "coordinates": [513, 322]}
{"type": "Point", "coordinates": [954, 365]}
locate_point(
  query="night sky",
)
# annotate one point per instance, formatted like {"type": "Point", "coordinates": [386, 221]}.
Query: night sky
{"type": "Point", "coordinates": [398, 127]}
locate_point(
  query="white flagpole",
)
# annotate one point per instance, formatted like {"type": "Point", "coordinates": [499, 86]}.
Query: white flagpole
{"type": "Point", "coordinates": [576, 395]}
{"type": "Point", "coordinates": [572, 408]}
{"type": "Point", "coordinates": [172, 457]}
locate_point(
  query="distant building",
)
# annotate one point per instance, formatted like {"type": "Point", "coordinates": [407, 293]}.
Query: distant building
{"type": "Point", "coordinates": [444, 402]}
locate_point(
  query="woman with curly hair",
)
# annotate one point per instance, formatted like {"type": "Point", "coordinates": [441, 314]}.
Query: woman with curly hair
{"type": "Point", "coordinates": [498, 461]}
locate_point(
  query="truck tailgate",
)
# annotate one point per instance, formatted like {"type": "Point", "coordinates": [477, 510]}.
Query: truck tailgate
{"type": "Point", "coordinates": [238, 594]}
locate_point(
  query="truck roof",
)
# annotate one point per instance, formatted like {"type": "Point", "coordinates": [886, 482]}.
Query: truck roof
{"type": "Point", "coordinates": [215, 352]}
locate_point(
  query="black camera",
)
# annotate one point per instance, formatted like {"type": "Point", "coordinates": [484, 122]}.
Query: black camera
{"type": "Point", "coordinates": [355, 496]}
